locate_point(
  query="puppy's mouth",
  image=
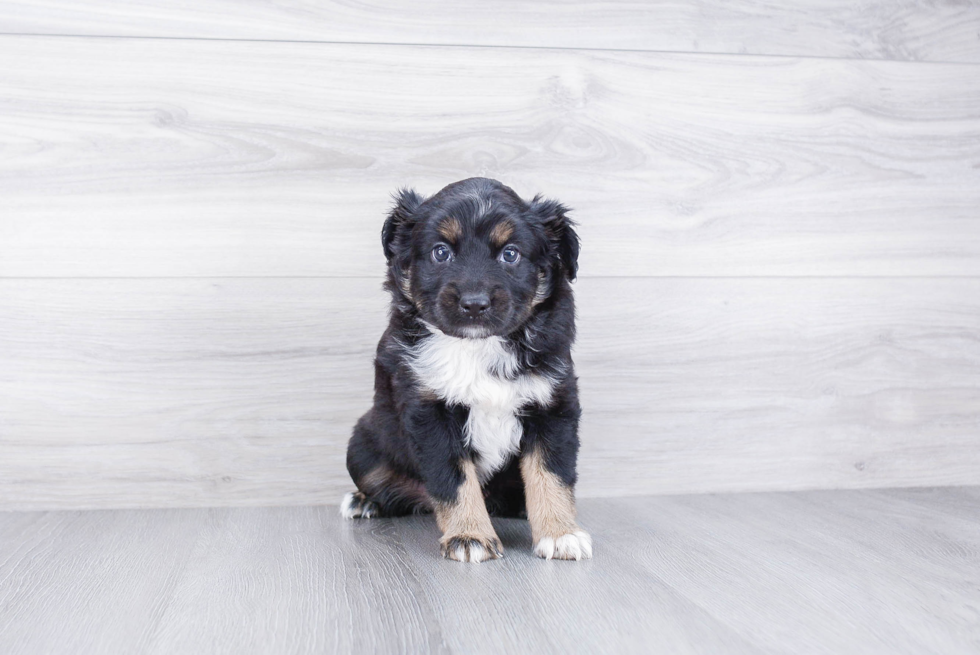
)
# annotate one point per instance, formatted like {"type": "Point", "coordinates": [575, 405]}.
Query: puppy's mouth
{"type": "Point", "coordinates": [460, 331]}
{"type": "Point", "coordinates": [473, 327]}
{"type": "Point", "coordinates": [473, 332]}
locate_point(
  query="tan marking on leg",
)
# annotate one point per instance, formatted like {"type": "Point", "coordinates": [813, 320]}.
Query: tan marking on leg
{"type": "Point", "coordinates": [451, 229]}
{"type": "Point", "coordinates": [382, 482]}
{"type": "Point", "coordinates": [375, 478]}
{"type": "Point", "coordinates": [550, 503]}
{"type": "Point", "coordinates": [501, 233]}
{"type": "Point", "coordinates": [467, 533]}
{"type": "Point", "coordinates": [551, 512]}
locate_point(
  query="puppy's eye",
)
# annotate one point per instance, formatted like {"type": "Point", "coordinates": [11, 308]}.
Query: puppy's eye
{"type": "Point", "coordinates": [510, 255]}
{"type": "Point", "coordinates": [441, 253]}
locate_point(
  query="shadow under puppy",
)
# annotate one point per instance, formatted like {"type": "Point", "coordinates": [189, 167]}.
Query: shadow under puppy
{"type": "Point", "coordinates": [475, 398]}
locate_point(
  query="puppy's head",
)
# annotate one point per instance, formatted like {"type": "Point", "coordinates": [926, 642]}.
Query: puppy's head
{"type": "Point", "coordinates": [475, 260]}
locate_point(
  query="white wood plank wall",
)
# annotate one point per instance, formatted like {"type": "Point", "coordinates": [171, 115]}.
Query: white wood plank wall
{"type": "Point", "coordinates": [780, 210]}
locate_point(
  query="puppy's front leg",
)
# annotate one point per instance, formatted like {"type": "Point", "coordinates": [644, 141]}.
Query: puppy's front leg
{"type": "Point", "coordinates": [551, 510]}
{"type": "Point", "coordinates": [467, 534]}
{"type": "Point", "coordinates": [452, 484]}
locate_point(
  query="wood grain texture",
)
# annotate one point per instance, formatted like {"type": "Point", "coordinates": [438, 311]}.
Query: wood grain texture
{"type": "Point", "coordinates": [131, 393]}
{"type": "Point", "coordinates": [907, 30]}
{"type": "Point", "coordinates": [816, 572]}
{"type": "Point", "coordinates": [149, 157]}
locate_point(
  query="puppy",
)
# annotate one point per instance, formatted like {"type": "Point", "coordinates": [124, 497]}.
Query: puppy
{"type": "Point", "coordinates": [476, 405]}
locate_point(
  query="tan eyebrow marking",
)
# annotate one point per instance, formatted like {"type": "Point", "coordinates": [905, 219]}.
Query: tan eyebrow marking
{"type": "Point", "coordinates": [501, 233]}
{"type": "Point", "coordinates": [450, 229]}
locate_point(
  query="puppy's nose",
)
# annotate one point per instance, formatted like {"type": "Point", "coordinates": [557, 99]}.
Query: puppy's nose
{"type": "Point", "coordinates": [474, 304]}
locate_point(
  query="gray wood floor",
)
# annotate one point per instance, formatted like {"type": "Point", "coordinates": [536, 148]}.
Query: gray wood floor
{"type": "Point", "coordinates": [886, 571]}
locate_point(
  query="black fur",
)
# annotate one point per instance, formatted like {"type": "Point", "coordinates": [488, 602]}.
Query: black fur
{"type": "Point", "coordinates": [406, 450]}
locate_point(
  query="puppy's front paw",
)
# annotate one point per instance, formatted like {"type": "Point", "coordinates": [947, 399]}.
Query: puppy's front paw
{"type": "Point", "coordinates": [469, 548]}
{"type": "Point", "coordinates": [357, 506]}
{"type": "Point", "coordinates": [573, 545]}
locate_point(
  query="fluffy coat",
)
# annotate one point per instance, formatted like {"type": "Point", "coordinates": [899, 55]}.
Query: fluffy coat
{"type": "Point", "coordinates": [474, 372]}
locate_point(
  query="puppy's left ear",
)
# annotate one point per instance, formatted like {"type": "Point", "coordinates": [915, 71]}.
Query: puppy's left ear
{"type": "Point", "coordinates": [560, 230]}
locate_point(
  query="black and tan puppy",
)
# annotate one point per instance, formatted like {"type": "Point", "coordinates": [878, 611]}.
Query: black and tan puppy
{"type": "Point", "coordinates": [475, 399]}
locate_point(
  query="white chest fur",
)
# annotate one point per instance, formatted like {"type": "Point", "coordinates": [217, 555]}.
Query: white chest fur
{"type": "Point", "coordinates": [481, 375]}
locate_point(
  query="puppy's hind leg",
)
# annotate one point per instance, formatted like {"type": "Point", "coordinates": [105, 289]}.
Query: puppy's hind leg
{"type": "Point", "coordinates": [362, 458]}
{"type": "Point", "coordinates": [385, 493]}
{"type": "Point", "coordinates": [356, 505]}
{"type": "Point", "coordinates": [381, 490]}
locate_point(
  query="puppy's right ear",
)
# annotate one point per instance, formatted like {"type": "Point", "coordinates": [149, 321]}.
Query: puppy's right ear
{"type": "Point", "coordinates": [400, 219]}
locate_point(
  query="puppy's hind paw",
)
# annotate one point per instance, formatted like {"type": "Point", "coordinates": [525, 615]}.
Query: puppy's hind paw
{"type": "Point", "coordinates": [573, 545]}
{"type": "Point", "coordinates": [464, 548]}
{"type": "Point", "coordinates": [357, 506]}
